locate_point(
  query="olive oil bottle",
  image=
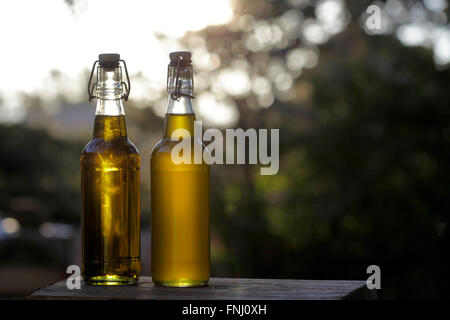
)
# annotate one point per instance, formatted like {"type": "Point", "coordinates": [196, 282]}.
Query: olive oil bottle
{"type": "Point", "coordinates": [180, 224]}
{"type": "Point", "coordinates": [110, 185]}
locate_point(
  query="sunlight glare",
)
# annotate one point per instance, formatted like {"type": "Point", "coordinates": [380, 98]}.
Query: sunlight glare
{"type": "Point", "coordinates": [216, 113]}
{"type": "Point", "coordinates": [46, 35]}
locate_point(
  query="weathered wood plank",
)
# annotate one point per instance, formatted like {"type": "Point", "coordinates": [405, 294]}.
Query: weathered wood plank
{"type": "Point", "coordinates": [217, 289]}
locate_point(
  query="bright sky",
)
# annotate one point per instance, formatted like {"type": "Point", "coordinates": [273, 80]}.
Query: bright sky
{"type": "Point", "coordinates": [40, 36]}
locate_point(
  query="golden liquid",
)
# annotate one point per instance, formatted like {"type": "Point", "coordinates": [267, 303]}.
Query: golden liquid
{"type": "Point", "coordinates": [110, 188]}
{"type": "Point", "coordinates": [180, 213]}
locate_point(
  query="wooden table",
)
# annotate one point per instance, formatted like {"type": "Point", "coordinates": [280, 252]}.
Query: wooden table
{"type": "Point", "coordinates": [217, 289]}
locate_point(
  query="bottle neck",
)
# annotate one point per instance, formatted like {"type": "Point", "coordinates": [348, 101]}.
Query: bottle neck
{"type": "Point", "coordinates": [109, 92]}
{"type": "Point", "coordinates": [109, 114]}
{"type": "Point", "coordinates": [180, 114]}
{"type": "Point", "coordinates": [181, 106]}
{"type": "Point", "coordinates": [110, 127]}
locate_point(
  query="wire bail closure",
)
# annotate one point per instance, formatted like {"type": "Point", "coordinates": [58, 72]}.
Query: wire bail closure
{"type": "Point", "coordinates": [92, 88]}
{"type": "Point", "coordinates": [176, 95]}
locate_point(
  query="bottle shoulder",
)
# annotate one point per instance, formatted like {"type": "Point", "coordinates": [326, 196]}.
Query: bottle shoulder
{"type": "Point", "coordinates": [162, 157]}
{"type": "Point", "coordinates": [165, 146]}
{"type": "Point", "coordinates": [116, 146]}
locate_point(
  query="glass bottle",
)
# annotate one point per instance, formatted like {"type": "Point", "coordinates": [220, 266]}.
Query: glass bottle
{"type": "Point", "coordinates": [110, 185]}
{"type": "Point", "coordinates": [180, 224]}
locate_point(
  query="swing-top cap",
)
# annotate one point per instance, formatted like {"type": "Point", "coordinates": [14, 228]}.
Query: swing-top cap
{"type": "Point", "coordinates": [108, 60]}
{"type": "Point", "coordinates": [184, 55]}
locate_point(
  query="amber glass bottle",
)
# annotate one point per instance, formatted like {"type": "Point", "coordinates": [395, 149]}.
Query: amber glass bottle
{"type": "Point", "coordinates": [110, 187]}
{"type": "Point", "coordinates": [180, 227]}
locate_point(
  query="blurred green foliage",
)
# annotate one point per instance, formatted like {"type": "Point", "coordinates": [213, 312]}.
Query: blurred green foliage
{"type": "Point", "coordinates": [367, 183]}
{"type": "Point", "coordinates": [39, 175]}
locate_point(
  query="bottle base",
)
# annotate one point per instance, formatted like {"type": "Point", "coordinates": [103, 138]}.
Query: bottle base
{"type": "Point", "coordinates": [180, 283]}
{"type": "Point", "coordinates": [117, 272]}
{"type": "Point", "coordinates": [111, 280]}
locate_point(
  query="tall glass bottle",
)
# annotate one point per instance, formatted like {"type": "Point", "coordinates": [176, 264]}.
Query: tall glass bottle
{"type": "Point", "coordinates": [110, 185]}
{"type": "Point", "coordinates": [180, 225]}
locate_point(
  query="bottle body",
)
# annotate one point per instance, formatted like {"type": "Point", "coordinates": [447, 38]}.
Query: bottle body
{"type": "Point", "coordinates": [110, 192]}
{"type": "Point", "coordinates": [180, 228]}
{"type": "Point", "coordinates": [110, 182]}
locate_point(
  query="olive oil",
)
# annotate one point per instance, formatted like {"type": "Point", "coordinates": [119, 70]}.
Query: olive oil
{"type": "Point", "coordinates": [180, 229]}
{"type": "Point", "coordinates": [110, 188]}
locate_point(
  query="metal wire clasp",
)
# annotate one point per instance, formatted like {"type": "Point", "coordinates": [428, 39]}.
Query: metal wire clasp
{"type": "Point", "coordinates": [176, 95]}
{"type": "Point", "coordinates": [126, 85]}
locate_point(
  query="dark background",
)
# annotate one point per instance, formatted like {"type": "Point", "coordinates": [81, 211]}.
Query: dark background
{"type": "Point", "coordinates": [364, 157]}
